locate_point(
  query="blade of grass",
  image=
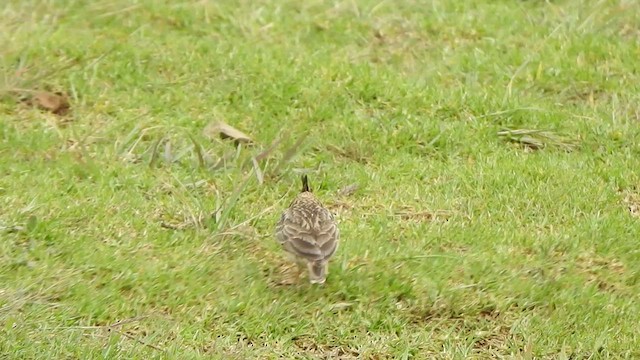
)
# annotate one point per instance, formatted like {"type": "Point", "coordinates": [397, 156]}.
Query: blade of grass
{"type": "Point", "coordinates": [198, 149]}
{"type": "Point", "coordinates": [232, 201]}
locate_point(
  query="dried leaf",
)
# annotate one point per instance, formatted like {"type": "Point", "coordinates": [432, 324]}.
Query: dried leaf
{"type": "Point", "coordinates": [56, 103]}
{"type": "Point", "coordinates": [340, 306]}
{"type": "Point", "coordinates": [537, 139]}
{"type": "Point", "coordinates": [348, 190]}
{"type": "Point", "coordinates": [226, 131]}
{"type": "Point", "coordinates": [530, 142]}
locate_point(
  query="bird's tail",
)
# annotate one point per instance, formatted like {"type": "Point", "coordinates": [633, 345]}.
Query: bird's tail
{"type": "Point", "coordinates": [317, 272]}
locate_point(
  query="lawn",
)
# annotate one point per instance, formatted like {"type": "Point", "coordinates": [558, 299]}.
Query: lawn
{"type": "Point", "coordinates": [482, 159]}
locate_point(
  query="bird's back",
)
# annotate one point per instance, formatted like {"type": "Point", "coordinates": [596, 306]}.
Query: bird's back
{"type": "Point", "coordinates": [307, 229]}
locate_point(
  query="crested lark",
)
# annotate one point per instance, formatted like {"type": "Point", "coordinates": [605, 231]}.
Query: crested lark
{"type": "Point", "coordinates": [308, 232]}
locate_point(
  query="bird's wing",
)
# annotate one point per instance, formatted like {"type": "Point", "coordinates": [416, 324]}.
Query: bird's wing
{"type": "Point", "coordinates": [327, 235]}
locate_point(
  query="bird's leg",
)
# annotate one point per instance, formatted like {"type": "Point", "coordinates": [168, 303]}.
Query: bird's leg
{"type": "Point", "coordinates": [317, 272]}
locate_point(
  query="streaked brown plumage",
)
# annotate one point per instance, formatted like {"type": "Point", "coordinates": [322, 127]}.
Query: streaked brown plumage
{"type": "Point", "coordinates": [308, 231]}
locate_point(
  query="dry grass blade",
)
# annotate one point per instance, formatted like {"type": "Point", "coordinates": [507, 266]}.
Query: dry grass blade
{"type": "Point", "coordinates": [259, 174]}
{"type": "Point", "coordinates": [138, 134]}
{"type": "Point", "coordinates": [171, 226]}
{"type": "Point", "coordinates": [231, 203]}
{"type": "Point", "coordinates": [154, 152]}
{"type": "Point", "coordinates": [430, 256]}
{"type": "Point", "coordinates": [168, 156]}
{"type": "Point", "coordinates": [119, 146]}
{"type": "Point", "coordinates": [264, 154]}
{"type": "Point", "coordinates": [536, 139]}
{"type": "Point", "coordinates": [226, 131]}
{"type": "Point", "coordinates": [193, 209]}
{"type": "Point", "coordinates": [11, 229]}
{"type": "Point", "coordinates": [337, 307]}
{"type": "Point", "coordinates": [118, 11]}
{"type": "Point", "coordinates": [290, 153]}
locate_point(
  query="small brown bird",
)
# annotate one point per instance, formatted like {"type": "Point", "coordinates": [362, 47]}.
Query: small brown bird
{"type": "Point", "coordinates": [308, 231]}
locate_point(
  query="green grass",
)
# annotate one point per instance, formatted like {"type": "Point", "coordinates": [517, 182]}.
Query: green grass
{"type": "Point", "coordinates": [125, 232]}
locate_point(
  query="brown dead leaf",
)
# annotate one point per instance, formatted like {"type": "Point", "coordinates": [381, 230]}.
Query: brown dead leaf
{"type": "Point", "coordinates": [537, 139]}
{"type": "Point", "coordinates": [337, 307]}
{"type": "Point", "coordinates": [348, 190]}
{"type": "Point", "coordinates": [226, 131]}
{"type": "Point", "coordinates": [56, 103]}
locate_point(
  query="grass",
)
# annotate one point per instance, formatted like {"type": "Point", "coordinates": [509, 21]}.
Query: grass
{"type": "Point", "coordinates": [128, 232]}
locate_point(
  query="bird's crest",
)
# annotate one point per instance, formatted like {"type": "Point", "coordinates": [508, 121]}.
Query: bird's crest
{"type": "Point", "coordinates": [305, 184]}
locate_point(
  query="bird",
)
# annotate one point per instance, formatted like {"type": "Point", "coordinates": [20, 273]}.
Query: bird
{"type": "Point", "coordinates": [308, 232]}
